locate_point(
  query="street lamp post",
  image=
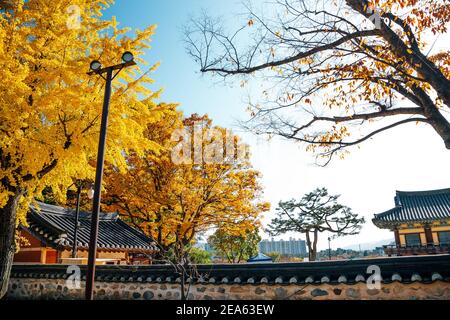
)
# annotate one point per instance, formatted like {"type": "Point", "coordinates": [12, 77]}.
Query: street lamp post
{"type": "Point", "coordinates": [96, 67]}
{"type": "Point", "coordinates": [79, 186]}
{"type": "Point", "coordinates": [77, 219]}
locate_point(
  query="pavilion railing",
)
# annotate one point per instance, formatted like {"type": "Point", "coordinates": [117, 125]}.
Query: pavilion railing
{"type": "Point", "coordinates": [410, 250]}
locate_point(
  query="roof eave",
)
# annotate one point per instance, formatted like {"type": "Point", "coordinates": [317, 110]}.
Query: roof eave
{"type": "Point", "coordinates": [394, 224]}
{"type": "Point", "coordinates": [385, 224]}
{"type": "Point", "coordinates": [136, 250]}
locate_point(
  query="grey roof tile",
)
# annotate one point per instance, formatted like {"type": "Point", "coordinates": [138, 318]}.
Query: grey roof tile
{"type": "Point", "coordinates": [55, 226]}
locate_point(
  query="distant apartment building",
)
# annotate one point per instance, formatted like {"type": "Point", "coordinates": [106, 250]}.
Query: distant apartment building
{"type": "Point", "coordinates": [291, 247]}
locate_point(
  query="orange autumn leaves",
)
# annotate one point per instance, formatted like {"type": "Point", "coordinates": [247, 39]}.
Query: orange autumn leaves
{"type": "Point", "coordinates": [175, 202]}
{"type": "Point", "coordinates": [420, 14]}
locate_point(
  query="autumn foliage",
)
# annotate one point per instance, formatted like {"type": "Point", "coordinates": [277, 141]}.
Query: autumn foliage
{"type": "Point", "coordinates": [50, 107]}
{"type": "Point", "coordinates": [175, 202]}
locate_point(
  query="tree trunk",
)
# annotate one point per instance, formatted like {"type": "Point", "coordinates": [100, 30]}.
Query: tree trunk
{"type": "Point", "coordinates": [8, 216]}
{"type": "Point", "coordinates": [182, 286]}
{"type": "Point", "coordinates": [311, 256]}
{"type": "Point", "coordinates": [314, 250]}
{"type": "Point", "coordinates": [184, 266]}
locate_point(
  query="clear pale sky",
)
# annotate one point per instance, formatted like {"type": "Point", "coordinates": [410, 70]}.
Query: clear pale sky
{"type": "Point", "coordinates": [408, 158]}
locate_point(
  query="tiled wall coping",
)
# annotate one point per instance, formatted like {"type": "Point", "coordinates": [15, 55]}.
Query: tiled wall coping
{"type": "Point", "coordinates": [423, 269]}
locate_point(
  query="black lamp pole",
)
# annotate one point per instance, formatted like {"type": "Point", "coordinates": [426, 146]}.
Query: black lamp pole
{"type": "Point", "coordinates": [98, 70]}
{"type": "Point", "coordinates": [77, 219]}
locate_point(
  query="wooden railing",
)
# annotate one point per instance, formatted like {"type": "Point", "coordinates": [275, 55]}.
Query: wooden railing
{"type": "Point", "coordinates": [409, 250]}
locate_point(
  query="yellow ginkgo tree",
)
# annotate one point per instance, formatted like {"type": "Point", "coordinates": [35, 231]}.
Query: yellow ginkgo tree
{"type": "Point", "coordinates": [50, 109]}
{"type": "Point", "coordinates": [175, 202]}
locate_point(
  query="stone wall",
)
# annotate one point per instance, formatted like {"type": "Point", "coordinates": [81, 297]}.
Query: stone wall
{"type": "Point", "coordinates": [49, 289]}
{"type": "Point", "coordinates": [421, 277]}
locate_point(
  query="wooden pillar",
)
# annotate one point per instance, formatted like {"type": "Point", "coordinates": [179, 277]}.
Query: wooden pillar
{"type": "Point", "coordinates": [43, 255]}
{"type": "Point", "coordinates": [428, 235]}
{"type": "Point", "coordinates": [397, 237]}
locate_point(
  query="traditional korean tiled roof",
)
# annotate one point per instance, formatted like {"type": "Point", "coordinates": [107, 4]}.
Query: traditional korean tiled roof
{"type": "Point", "coordinates": [419, 206]}
{"type": "Point", "coordinates": [422, 269]}
{"type": "Point", "coordinates": [55, 226]}
{"type": "Point", "coordinates": [260, 257]}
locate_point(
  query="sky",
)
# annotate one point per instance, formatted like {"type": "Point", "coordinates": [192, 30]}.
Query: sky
{"type": "Point", "coordinates": [408, 158]}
